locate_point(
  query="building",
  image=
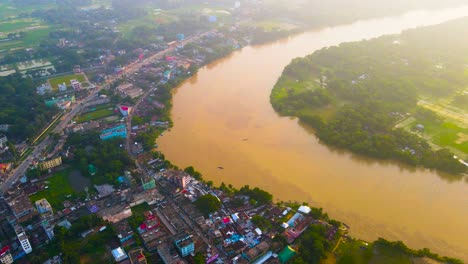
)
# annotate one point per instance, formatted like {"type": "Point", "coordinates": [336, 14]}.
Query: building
{"type": "Point", "coordinates": [43, 89]}
{"type": "Point", "coordinates": [21, 207]}
{"type": "Point", "coordinates": [75, 84]}
{"type": "Point", "coordinates": [148, 184]}
{"type": "Point", "coordinates": [118, 131]}
{"type": "Point", "coordinates": [48, 229]}
{"type": "Point", "coordinates": [3, 140]}
{"type": "Point", "coordinates": [23, 239]}
{"type": "Point", "coordinates": [5, 255]}
{"type": "Point", "coordinates": [180, 178]}
{"type": "Point", "coordinates": [4, 127]}
{"type": "Point", "coordinates": [184, 244]}
{"type": "Point", "coordinates": [43, 206]}
{"type": "Point", "coordinates": [46, 165]}
{"type": "Point", "coordinates": [62, 87]}
{"type": "Point", "coordinates": [124, 110]}
{"type": "Point", "coordinates": [124, 233]}
{"type": "Point", "coordinates": [119, 254]}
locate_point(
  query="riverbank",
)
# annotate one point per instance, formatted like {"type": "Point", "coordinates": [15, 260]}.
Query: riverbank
{"type": "Point", "coordinates": [210, 125]}
{"type": "Point", "coordinates": [354, 94]}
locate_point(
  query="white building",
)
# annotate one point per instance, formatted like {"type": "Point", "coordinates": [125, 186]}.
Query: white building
{"type": "Point", "coordinates": [43, 89]}
{"type": "Point", "coordinates": [62, 87]}
{"type": "Point", "coordinates": [119, 254]}
{"type": "Point", "coordinates": [3, 140]}
{"type": "Point", "coordinates": [24, 241]}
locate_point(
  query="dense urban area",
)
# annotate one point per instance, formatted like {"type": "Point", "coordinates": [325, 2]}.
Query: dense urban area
{"type": "Point", "coordinates": [86, 90]}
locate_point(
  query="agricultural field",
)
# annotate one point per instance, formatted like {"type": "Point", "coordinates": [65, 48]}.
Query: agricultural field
{"type": "Point", "coordinates": [450, 130]}
{"type": "Point", "coordinates": [54, 82]}
{"type": "Point", "coordinates": [59, 189]}
{"type": "Point", "coordinates": [14, 19]}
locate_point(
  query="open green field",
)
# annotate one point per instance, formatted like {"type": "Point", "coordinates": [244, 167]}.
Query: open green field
{"type": "Point", "coordinates": [54, 82]}
{"type": "Point", "coordinates": [101, 113]}
{"type": "Point", "coordinates": [450, 131]}
{"type": "Point", "coordinates": [357, 252]}
{"type": "Point", "coordinates": [59, 189]}
{"type": "Point", "coordinates": [9, 8]}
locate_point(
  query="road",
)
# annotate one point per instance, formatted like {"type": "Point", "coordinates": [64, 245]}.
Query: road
{"type": "Point", "coordinates": [19, 171]}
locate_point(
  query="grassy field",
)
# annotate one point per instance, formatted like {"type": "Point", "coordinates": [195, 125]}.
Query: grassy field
{"type": "Point", "coordinates": [9, 9]}
{"type": "Point", "coordinates": [95, 115]}
{"type": "Point", "coordinates": [357, 252]}
{"type": "Point", "coordinates": [10, 22]}
{"type": "Point", "coordinates": [448, 132]}
{"type": "Point", "coordinates": [54, 82]}
{"type": "Point", "coordinates": [59, 189]}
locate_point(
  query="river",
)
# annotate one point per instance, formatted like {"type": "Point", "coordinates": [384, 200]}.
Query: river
{"type": "Point", "coordinates": [223, 117]}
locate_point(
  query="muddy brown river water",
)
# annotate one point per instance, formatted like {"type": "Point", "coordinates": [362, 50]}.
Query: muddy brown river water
{"type": "Point", "coordinates": [223, 117]}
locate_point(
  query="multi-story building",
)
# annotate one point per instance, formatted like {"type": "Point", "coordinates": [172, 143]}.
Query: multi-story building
{"type": "Point", "coordinates": [23, 239]}
{"type": "Point", "coordinates": [49, 164]}
{"type": "Point", "coordinates": [3, 140]}
{"type": "Point", "coordinates": [184, 244]}
{"type": "Point", "coordinates": [75, 84]}
{"type": "Point", "coordinates": [21, 207]}
{"type": "Point", "coordinates": [5, 256]}
{"type": "Point", "coordinates": [44, 207]}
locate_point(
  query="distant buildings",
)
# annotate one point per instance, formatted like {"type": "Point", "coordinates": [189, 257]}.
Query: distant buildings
{"type": "Point", "coordinates": [43, 89]}
{"type": "Point", "coordinates": [127, 89]}
{"type": "Point", "coordinates": [184, 244]}
{"type": "Point", "coordinates": [50, 164]}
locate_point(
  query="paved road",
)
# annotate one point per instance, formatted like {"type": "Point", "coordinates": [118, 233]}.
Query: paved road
{"type": "Point", "coordinates": [67, 117]}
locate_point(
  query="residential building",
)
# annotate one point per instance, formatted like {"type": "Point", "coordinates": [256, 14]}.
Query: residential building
{"type": "Point", "coordinates": [184, 244]}
{"type": "Point", "coordinates": [119, 254]}
{"type": "Point", "coordinates": [43, 89]}
{"type": "Point", "coordinates": [4, 127]}
{"type": "Point", "coordinates": [148, 183]}
{"type": "Point", "coordinates": [75, 84]}
{"type": "Point", "coordinates": [62, 87]}
{"type": "Point", "coordinates": [3, 140]}
{"type": "Point", "coordinates": [21, 207]}
{"type": "Point", "coordinates": [51, 163]}
{"type": "Point", "coordinates": [43, 206]}
{"type": "Point", "coordinates": [23, 239]}
{"type": "Point", "coordinates": [48, 229]}
{"type": "Point", "coordinates": [5, 255]}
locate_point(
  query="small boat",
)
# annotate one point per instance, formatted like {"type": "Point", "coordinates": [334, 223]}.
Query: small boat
{"type": "Point", "coordinates": [221, 168]}
{"type": "Point", "coordinates": [245, 139]}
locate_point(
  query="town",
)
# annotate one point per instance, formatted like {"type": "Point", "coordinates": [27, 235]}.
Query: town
{"type": "Point", "coordinates": [147, 211]}
{"type": "Point", "coordinates": [82, 179]}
